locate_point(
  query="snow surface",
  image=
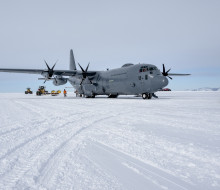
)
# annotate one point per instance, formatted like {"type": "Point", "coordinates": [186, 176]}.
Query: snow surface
{"type": "Point", "coordinates": [127, 143]}
{"type": "Point", "coordinates": [205, 89]}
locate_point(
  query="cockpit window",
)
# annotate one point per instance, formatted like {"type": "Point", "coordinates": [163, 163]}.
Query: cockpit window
{"type": "Point", "coordinates": [152, 68]}
{"type": "Point", "coordinates": [143, 69]}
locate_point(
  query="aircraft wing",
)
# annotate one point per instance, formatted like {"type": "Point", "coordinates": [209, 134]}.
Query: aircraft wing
{"type": "Point", "coordinates": [167, 74]}
{"type": "Point", "coordinates": [176, 74]}
{"type": "Point", "coordinates": [65, 72]}
{"type": "Point", "coordinates": [40, 71]}
{"type": "Point", "coordinates": [29, 71]}
{"type": "Point", "coordinates": [72, 73]}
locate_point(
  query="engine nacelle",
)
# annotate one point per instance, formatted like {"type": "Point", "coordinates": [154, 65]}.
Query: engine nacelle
{"type": "Point", "coordinates": [59, 81]}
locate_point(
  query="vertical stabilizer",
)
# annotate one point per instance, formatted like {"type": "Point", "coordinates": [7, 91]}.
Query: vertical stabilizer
{"type": "Point", "coordinates": [72, 61]}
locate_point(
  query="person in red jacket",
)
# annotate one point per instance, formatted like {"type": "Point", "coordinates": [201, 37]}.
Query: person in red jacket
{"type": "Point", "coordinates": [64, 92]}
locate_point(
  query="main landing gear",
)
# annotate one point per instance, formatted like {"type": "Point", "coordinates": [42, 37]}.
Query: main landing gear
{"type": "Point", "coordinates": [112, 96]}
{"type": "Point", "coordinates": [147, 96]}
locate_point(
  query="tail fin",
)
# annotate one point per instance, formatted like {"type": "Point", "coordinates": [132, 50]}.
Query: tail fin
{"type": "Point", "coordinates": [72, 61]}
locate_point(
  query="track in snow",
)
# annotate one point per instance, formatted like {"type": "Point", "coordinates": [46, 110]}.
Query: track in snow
{"type": "Point", "coordinates": [126, 143]}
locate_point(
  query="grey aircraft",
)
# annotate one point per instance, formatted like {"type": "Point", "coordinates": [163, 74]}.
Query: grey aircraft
{"type": "Point", "coordinates": [130, 79]}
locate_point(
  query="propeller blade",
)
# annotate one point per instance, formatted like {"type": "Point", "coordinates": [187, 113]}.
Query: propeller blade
{"type": "Point", "coordinates": [54, 65]}
{"type": "Point", "coordinates": [168, 71]}
{"type": "Point", "coordinates": [84, 73]}
{"type": "Point", "coordinates": [50, 70]}
{"type": "Point", "coordinates": [87, 67]}
{"type": "Point", "coordinates": [81, 68]}
{"type": "Point", "coordinates": [167, 74]}
{"type": "Point", "coordinates": [164, 69]}
{"type": "Point", "coordinates": [81, 81]}
{"type": "Point", "coordinates": [47, 65]}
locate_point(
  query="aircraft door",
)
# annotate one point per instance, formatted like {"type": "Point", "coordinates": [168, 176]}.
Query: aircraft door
{"type": "Point", "coordinates": [144, 80]}
{"type": "Point", "coordinates": [141, 79]}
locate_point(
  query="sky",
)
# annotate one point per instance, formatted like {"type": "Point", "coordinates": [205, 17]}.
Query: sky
{"type": "Point", "coordinates": [182, 34]}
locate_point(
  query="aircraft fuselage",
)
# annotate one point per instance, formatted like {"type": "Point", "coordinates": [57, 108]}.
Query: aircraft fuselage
{"type": "Point", "coordinates": [127, 80]}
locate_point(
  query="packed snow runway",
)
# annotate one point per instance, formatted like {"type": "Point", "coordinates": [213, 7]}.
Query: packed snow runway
{"type": "Point", "coordinates": [127, 143]}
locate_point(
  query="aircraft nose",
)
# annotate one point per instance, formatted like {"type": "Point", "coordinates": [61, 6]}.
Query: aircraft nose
{"type": "Point", "coordinates": [164, 82]}
{"type": "Point", "coordinates": [160, 82]}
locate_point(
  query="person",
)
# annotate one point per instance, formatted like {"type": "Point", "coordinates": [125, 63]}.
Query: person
{"type": "Point", "coordinates": [64, 92]}
{"type": "Point", "coordinates": [76, 93]}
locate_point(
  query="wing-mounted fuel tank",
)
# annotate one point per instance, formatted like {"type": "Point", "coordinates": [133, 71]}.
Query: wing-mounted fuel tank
{"type": "Point", "coordinates": [59, 81]}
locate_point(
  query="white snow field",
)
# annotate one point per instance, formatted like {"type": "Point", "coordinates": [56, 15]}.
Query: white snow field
{"type": "Point", "coordinates": [127, 143]}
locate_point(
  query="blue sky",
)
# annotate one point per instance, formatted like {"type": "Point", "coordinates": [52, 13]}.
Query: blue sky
{"type": "Point", "coordinates": [184, 35]}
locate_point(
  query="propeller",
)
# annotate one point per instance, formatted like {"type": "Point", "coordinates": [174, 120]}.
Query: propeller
{"type": "Point", "coordinates": [50, 71]}
{"type": "Point", "coordinates": [166, 73]}
{"type": "Point", "coordinates": [84, 73]}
